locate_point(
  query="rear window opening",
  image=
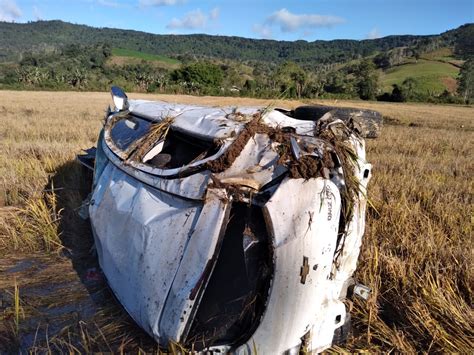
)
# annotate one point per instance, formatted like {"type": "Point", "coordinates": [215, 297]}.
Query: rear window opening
{"type": "Point", "coordinates": [179, 149]}
{"type": "Point", "coordinates": [235, 297]}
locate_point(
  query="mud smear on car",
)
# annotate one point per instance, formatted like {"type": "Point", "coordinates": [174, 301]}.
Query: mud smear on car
{"type": "Point", "coordinates": [250, 129]}
{"type": "Point", "coordinates": [170, 157]}
{"type": "Point", "coordinates": [305, 167]}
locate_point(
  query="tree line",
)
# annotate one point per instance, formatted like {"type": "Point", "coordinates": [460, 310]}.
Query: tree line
{"type": "Point", "coordinates": [79, 67]}
{"type": "Point", "coordinates": [43, 35]}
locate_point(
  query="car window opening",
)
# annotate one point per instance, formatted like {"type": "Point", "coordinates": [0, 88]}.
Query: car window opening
{"type": "Point", "coordinates": [235, 297]}
{"type": "Point", "coordinates": [176, 150]}
{"type": "Point", "coordinates": [179, 149]}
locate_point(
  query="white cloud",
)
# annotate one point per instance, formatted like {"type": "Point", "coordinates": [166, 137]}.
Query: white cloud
{"type": "Point", "coordinates": [214, 14]}
{"type": "Point", "coordinates": [37, 13]}
{"type": "Point", "coordinates": [159, 2]}
{"type": "Point", "coordinates": [373, 34]}
{"type": "Point", "coordinates": [263, 31]}
{"type": "Point", "coordinates": [108, 3]}
{"type": "Point", "coordinates": [9, 10]}
{"type": "Point", "coordinates": [193, 20]}
{"type": "Point", "coordinates": [290, 22]}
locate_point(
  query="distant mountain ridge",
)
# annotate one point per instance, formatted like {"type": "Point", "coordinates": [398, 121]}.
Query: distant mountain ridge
{"type": "Point", "coordinates": [16, 38]}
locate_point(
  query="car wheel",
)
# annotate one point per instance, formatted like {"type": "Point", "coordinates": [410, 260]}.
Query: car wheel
{"type": "Point", "coordinates": [368, 123]}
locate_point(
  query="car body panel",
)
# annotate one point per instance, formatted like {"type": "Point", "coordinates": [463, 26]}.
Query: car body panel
{"type": "Point", "coordinates": [304, 228]}
{"type": "Point", "coordinates": [196, 266]}
{"type": "Point", "coordinates": [132, 225]}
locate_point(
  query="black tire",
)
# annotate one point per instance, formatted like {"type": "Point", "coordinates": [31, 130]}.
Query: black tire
{"type": "Point", "coordinates": [342, 333]}
{"type": "Point", "coordinates": [368, 123]}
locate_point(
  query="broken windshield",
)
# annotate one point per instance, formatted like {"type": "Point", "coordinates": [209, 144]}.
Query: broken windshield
{"type": "Point", "coordinates": [157, 144]}
{"type": "Point", "coordinates": [127, 130]}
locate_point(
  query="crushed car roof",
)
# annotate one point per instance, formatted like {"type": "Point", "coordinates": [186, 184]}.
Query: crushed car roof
{"type": "Point", "coordinates": [214, 122]}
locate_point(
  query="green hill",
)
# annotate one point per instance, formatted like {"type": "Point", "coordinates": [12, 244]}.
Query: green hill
{"type": "Point", "coordinates": [121, 52]}
{"type": "Point", "coordinates": [431, 76]}
{"type": "Point", "coordinates": [121, 57]}
{"type": "Point", "coordinates": [63, 56]}
{"type": "Point", "coordinates": [16, 38]}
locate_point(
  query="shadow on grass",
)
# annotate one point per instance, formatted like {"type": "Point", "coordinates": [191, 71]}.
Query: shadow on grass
{"type": "Point", "coordinates": [72, 183]}
{"type": "Point", "coordinates": [66, 302]}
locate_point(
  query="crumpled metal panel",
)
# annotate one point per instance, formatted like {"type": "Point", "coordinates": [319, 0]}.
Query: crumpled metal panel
{"type": "Point", "coordinates": [196, 267]}
{"type": "Point", "coordinates": [204, 122]}
{"type": "Point", "coordinates": [191, 187]}
{"type": "Point", "coordinates": [303, 218]}
{"type": "Point", "coordinates": [210, 123]}
{"type": "Point", "coordinates": [256, 165]}
{"type": "Point", "coordinates": [141, 235]}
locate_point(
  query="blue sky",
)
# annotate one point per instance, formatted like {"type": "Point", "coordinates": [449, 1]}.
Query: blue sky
{"type": "Point", "coordinates": [277, 19]}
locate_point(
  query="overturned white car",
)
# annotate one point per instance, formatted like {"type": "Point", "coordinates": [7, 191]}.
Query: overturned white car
{"type": "Point", "coordinates": [229, 229]}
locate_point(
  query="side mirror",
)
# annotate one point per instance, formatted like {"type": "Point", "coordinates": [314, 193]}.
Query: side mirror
{"type": "Point", "coordinates": [120, 98]}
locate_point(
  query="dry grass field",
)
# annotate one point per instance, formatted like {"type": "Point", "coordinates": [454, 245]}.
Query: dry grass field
{"type": "Point", "coordinates": [417, 253]}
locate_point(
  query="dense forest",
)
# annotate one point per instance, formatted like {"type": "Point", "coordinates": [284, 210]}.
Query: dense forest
{"type": "Point", "coordinates": [55, 55]}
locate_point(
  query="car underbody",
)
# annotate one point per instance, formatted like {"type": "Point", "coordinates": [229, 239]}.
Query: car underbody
{"type": "Point", "coordinates": [230, 229]}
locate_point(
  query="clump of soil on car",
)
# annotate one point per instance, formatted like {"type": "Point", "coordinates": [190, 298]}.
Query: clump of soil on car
{"type": "Point", "coordinates": [306, 167]}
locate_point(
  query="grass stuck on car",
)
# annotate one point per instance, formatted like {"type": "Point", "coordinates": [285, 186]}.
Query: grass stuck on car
{"type": "Point", "coordinates": [232, 229]}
